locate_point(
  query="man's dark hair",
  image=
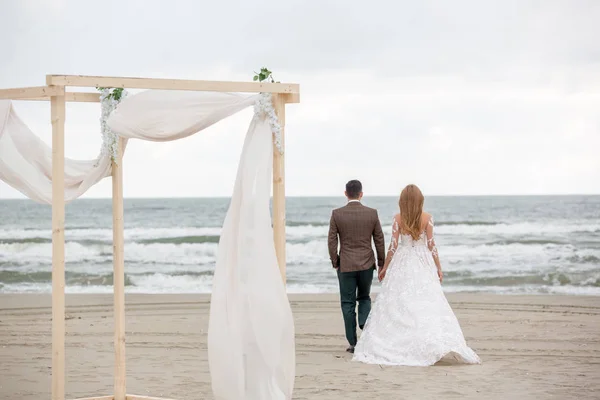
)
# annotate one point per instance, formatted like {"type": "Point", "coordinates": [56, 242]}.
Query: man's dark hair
{"type": "Point", "coordinates": [353, 189]}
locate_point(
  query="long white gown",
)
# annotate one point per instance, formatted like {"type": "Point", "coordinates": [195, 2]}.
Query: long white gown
{"type": "Point", "coordinates": [411, 322]}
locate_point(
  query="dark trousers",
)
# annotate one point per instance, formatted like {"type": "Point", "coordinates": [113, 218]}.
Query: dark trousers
{"type": "Point", "coordinates": [355, 286]}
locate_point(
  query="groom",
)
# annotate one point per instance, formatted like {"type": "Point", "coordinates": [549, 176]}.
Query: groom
{"type": "Point", "coordinates": [354, 226]}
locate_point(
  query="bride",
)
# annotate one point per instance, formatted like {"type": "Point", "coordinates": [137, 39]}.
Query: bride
{"type": "Point", "coordinates": [411, 322]}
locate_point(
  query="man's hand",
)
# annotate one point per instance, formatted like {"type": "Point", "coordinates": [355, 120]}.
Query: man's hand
{"type": "Point", "coordinates": [337, 263]}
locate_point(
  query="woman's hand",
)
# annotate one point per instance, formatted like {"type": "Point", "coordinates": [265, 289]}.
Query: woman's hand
{"type": "Point", "coordinates": [381, 274]}
{"type": "Point", "coordinates": [440, 274]}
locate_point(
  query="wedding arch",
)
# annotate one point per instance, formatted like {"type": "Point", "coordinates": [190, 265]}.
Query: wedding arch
{"type": "Point", "coordinates": [168, 110]}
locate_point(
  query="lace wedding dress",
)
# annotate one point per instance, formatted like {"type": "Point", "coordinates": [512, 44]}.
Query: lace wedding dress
{"type": "Point", "coordinates": [411, 322]}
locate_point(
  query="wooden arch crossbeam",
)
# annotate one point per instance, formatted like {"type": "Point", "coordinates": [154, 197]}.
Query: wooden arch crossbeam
{"type": "Point", "coordinates": [56, 92]}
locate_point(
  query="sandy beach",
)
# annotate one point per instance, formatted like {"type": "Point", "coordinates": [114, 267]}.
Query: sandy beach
{"type": "Point", "coordinates": [533, 347]}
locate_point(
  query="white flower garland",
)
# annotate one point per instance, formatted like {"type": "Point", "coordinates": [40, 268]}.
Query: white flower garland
{"type": "Point", "coordinates": [110, 141]}
{"type": "Point", "coordinates": [264, 107]}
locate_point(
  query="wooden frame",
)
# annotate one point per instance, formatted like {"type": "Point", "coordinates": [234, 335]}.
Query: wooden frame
{"type": "Point", "coordinates": [56, 93]}
{"type": "Point", "coordinates": [127, 397]}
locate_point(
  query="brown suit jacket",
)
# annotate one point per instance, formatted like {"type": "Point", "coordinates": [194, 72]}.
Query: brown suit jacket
{"type": "Point", "coordinates": [355, 225]}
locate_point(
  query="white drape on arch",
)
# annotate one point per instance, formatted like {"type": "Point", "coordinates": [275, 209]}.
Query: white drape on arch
{"type": "Point", "coordinates": [26, 162]}
{"type": "Point", "coordinates": [160, 116]}
{"type": "Point", "coordinates": [251, 332]}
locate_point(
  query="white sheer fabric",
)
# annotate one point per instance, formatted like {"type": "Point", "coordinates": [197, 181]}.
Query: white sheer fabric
{"type": "Point", "coordinates": [26, 162]}
{"type": "Point", "coordinates": [165, 115]}
{"type": "Point", "coordinates": [251, 331]}
{"type": "Point", "coordinates": [160, 116]}
{"type": "Point", "coordinates": [411, 322]}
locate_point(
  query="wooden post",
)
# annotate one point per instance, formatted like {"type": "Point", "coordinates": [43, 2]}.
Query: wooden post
{"type": "Point", "coordinates": [57, 110]}
{"type": "Point", "coordinates": [279, 189]}
{"type": "Point", "coordinates": [118, 274]}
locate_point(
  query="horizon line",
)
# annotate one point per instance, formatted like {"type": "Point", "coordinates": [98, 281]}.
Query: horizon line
{"type": "Point", "coordinates": [326, 196]}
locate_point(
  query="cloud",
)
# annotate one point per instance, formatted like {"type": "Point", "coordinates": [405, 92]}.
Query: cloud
{"type": "Point", "coordinates": [462, 97]}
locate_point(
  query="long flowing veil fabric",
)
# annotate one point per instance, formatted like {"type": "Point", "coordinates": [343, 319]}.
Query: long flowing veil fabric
{"type": "Point", "coordinates": [160, 116]}
{"type": "Point", "coordinates": [251, 330]}
{"type": "Point", "coordinates": [163, 116]}
{"type": "Point", "coordinates": [26, 162]}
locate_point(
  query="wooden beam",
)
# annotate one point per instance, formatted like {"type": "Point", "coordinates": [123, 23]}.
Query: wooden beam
{"type": "Point", "coordinates": [28, 92]}
{"type": "Point", "coordinates": [75, 97]}
{"type": "Point", "coordinates": [81, 97]}
{"type": "Point", "coordinates": [279, 189]}
{"type": "Point", "coordinates": [292, 98]}
{"type": "Point", "coordinates": [171, 84]}
{"type": "Point", "coordinates": [57, 105]}
{"type": "Point", "coordinates": [135, 397]}
{"type": "Point", "coordinates": [118, 274]}
{"type": "Point", "coordinates": [98, 398]}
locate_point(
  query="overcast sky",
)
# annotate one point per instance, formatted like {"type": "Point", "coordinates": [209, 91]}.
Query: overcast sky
{"type": "Point", "coordinates": [460, 97]}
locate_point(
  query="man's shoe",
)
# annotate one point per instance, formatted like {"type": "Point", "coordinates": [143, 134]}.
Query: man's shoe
{"type": "Point", "coordinates": [350, 349]}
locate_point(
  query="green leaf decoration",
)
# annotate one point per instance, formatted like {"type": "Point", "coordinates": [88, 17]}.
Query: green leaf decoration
{"type": "Point", "coordinates": [115, 93]}
{"type": "Point", "coordinates": [264, 75]}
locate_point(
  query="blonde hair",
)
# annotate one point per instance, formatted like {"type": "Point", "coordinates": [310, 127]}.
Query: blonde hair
{"type": "Point", "coordinates": [411, 209]}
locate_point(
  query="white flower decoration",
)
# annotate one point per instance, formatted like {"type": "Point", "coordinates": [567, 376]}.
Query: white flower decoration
{"type": "Point", "coordinates": [264, 108]}
{"type": "Point", "coordinates": [110, 141]}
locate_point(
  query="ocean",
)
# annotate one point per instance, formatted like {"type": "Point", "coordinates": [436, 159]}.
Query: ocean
{"type": "Point", "coordinates": [507, 245]}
